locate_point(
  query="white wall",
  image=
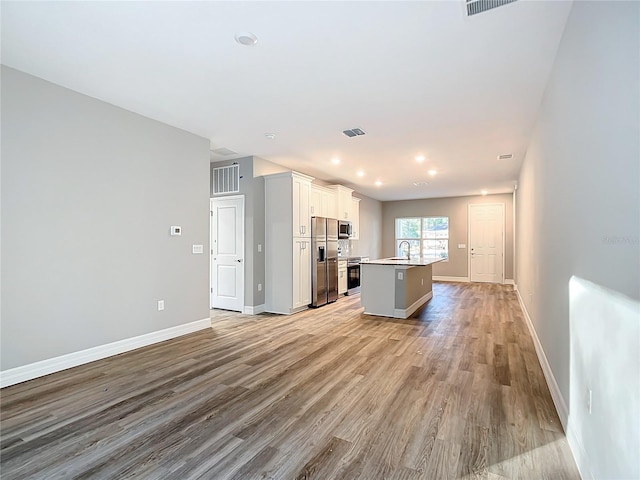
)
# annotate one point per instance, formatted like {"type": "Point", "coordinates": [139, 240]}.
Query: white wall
{"type": "Point", "coordinates": [89, 192]}
{"type": "Point", "coordinates": [578, 230]}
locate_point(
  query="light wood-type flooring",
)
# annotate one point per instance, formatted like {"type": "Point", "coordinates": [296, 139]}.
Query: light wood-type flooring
{"type": "Point", "coordinates": [456, 391]}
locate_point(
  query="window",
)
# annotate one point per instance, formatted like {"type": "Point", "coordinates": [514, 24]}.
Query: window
{"type": "Point", "coordinates": [427, 236]}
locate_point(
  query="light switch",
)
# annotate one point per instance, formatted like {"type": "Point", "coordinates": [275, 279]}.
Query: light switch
{"type": "Point", "coordinates": [197, 249]}
{"type": "Point", "coordinates": [462, 245]}
{"type": "Point", "coordinates": [400, 276]}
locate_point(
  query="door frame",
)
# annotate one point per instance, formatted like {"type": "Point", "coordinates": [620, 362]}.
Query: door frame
{"type": "Point", "coordinates": [504, 228]}
{"type": "Point", "coordinates": [244, 270]}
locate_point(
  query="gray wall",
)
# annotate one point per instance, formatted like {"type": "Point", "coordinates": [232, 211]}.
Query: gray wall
{"type": "Point", "coordinates": [370, 241]}
{"type": "Point", "coordinates": [578, 211]}
{"type": "Point", "coordinates": [253, 191]}
{"type": "Point", "coordinates": [457, 209]}
{"type": "Point", "coordinates": [89, 192]}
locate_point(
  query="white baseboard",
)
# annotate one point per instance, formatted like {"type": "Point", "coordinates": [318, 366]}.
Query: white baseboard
{"type": "Point", "coordinates": [400, 313]}
{"type": "Point", "coordinates": [254, 310]}
{"type": "Point", "coordinates": [439, 278]}
{"type": "Point", "coordinates": [509, 281]}
{"type": "Point", "coordinates": [579, 454]}
{"type": "Point", "coordinates": [57, 364]}
{"type": "Point", "coordinates": [556, 395]}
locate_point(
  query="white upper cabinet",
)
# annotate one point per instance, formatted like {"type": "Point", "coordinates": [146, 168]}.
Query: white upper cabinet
{"type": "Point", "coordinates": [315, 207]}
{"type": "Point", "coordinates": [301, 185]}
{"type": "Point", "coordinates": [355, 218]}
{"type": "Point", "coordinates": [343, 204]}
{"type": "Point", "coordinates": [323, 203]}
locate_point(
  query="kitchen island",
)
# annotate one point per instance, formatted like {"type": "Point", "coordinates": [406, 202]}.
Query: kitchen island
{"type": "Point", "coordinates": [396, 287]}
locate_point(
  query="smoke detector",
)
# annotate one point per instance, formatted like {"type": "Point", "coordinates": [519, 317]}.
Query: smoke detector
{"type": "Point", "coordinates": [247, 39]}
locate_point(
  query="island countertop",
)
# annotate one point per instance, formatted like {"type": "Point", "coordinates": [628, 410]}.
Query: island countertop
{"type": "Point", "coordinates": [414, 261]}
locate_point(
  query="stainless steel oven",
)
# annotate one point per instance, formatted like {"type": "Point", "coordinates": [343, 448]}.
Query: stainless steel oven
{"type": "Point", "coordinates": [353, 274]}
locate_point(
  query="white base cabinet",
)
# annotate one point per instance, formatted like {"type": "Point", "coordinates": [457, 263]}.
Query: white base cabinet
{"type": "Point", "coordinates": [287, 242]}
{"type": "Point", "coordinates": [342, 277]}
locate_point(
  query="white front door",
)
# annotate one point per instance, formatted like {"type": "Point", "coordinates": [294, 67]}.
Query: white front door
{"type": "Point", "coordinates": [227, 253]}
{"type": "Point", "coordinates": [486, 243]}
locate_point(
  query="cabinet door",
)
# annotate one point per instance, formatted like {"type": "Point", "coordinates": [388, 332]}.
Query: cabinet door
{"type": "Point", "coordinates": [301, 272]}
{"type": "Point", "coordinates": [315, 204]}
{"type": "Point", "coordinates": [344, 204]}
{"type": "Point", "coordinates": [301, 216]}
{"type": "Point", "coordinates": [332, 205]}
{"type": "Point", "coordinates": [342, 281]}
{"type": "Point", "coordinates": [355, 218]}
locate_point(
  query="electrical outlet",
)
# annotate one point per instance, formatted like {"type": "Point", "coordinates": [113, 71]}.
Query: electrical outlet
{"type": "Point", "coordinates": [259, 287]}
{"type": "Point", "coordinates": [259, 247]}
{"type": "Point", "coordinates": [160, 305]}
{"type": "Point", "coordinates": [589, 400]}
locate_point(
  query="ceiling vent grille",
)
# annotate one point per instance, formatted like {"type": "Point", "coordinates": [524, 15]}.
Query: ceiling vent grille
{"type": "Point", "coordinates": [478, 6]}
{"type": "Point", "coordinates": [505, 156]}
{"type": "Point", "coordinates": [226, 179]}
{"type": "Point", "coordinates": [354, 132]}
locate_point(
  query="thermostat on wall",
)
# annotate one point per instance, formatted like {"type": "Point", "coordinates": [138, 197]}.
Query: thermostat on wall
{"type": "Point", "coordinates": [175, 230]}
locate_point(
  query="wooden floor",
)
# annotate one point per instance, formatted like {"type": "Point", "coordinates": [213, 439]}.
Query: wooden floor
{"type": "Point", "coordinates": [456, 391]}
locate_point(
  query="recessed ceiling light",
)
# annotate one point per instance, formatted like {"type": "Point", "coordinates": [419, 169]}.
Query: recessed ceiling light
{"type": "Point", "coordinates": [360, 173]}
{"type": "Point", "coordinates": [483, 192]}
{"type": "Point", "coordinates": [378, 183]}
{"type": "Point", "coordinates": [420, 158]}
{"type": "Point", "coordinates": [335, 160]}
{"type": "Point", "coordinates": [247, 39]}
{"type": "Point", "coordinates": [432, 172]}
{"type": "Point", "coordinates": [270, 136]}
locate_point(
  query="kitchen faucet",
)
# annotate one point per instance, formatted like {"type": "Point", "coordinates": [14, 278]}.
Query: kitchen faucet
{"type": "Point", "coordinates": [408, 248]}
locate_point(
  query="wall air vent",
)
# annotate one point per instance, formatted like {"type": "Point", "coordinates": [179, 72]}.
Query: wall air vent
{"type": "Point", "coordinates": [226, 179]}
{"type": "Point", "coordinates": [478, 6]}
{"type": "Point", "coordinates": [354, 132]}
{"type": "Point", "coordinates": [420, 184]}
{"type": "Point", "coordinates": [505, 156]}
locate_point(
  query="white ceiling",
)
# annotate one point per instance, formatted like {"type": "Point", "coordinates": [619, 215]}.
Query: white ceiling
{"type": "Point", "coordinates": [418, 77]}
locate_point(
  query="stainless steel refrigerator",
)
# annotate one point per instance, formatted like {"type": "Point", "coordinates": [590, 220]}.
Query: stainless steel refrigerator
{"type": "Point", "coordinates": [324, 260]}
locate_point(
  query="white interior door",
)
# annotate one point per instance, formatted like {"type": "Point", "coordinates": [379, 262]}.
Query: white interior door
{"type": "Point", "coordinates": [486, 243]}
{"type": "Point", "coordinates": [227, 253]}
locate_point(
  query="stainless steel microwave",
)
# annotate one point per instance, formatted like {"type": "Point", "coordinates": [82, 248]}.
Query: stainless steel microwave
{"type": "Point", "coordinates": [344, 229]}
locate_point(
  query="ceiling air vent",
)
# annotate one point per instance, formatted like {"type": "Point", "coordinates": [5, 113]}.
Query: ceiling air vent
{"type": "Point", "coordinates": [478, 6]}
{"type": "Point", "coordinates": [354, 132]}
{"type": "Point", "coordinates": [226, 179]}
{"type": "Point", "coordinates": [505, 156]}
